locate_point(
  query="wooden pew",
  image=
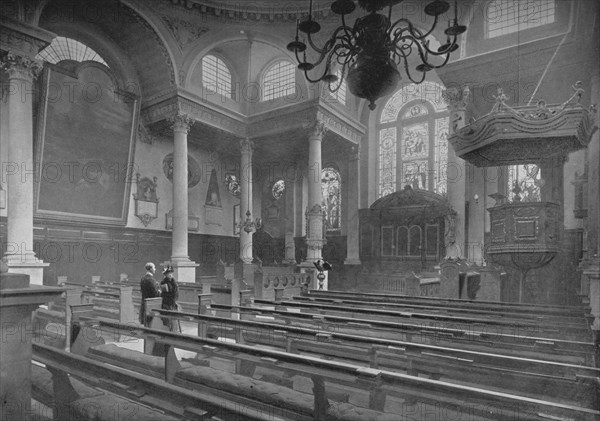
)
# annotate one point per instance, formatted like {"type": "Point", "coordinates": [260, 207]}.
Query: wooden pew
{"type": "Point", "coordinates": [184, 404]}
{"type": "Point", "coordinates": [53, 326]}
{"type": "Point", "coordinates": [580, 333]}
{"type": "Point", "coordinates": [458, 309]}
{"type": "Point", "coordinates": [579, 353]}
{"type": "Point", "coordinates": [534, 378]}
{"type": "Point", "coordinates": [381, 385]}
{"type": "Point", "coordinates": [526, 308]}
{"type": "Point", "coordinates": [112, 301]}
{"type": "Point", "coordinates": [187, 292]}
{"type": "Point", "coordinates": [79, 401]}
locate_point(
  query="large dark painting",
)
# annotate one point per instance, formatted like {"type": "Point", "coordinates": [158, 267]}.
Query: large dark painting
{"type": "Point", "coordinates": [86, 135]}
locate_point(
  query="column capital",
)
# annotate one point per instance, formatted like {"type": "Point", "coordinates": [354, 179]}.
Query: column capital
{"type": "Point", "coordinates": [316, 130]}
{"type": "Point", "coordinates": [247, 145]}
{"type": "Point", "coordinates": [181, 122]}
{"type": "Point", "coordinates": [21, 67]}
{"type": "Point", "coordinates": [456, 99]}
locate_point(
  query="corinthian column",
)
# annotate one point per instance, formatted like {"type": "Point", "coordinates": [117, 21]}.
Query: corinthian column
{"type": "Point", "coordinates": [352, 239]}
{"type": "Point", "coordinates": [185, 269]}
{"type": "Point", "coordinates": [246, 230]}
{"type": "Point", "coordinates": [455, 231]}
{"type": "Point", "coordinates": [18, 167]}
{"type": "Point", "coordinates": [314, 234]}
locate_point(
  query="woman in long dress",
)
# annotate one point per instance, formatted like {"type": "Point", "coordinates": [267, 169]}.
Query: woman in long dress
{"type": "Point", "coordinates": [170, 295]}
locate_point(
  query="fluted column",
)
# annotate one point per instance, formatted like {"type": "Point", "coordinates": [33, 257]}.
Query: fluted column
{"type": "Point", "coordinates": [456, 174]}
{"type": "Point", "coordinates": [314, 237]}
{"type": "Point", "coordinates": [352, 237]}
{"type": "Point", "coordinates": [184, 268]}
{"type": "Point", "coordinates": [246, 149]}
{"type": "Point", "coordinates": [18, 166]}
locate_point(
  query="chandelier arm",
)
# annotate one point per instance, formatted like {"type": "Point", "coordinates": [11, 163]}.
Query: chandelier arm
{"type": "Point", "coordinates": [440, 53]}
{"type": "Point", "coordinates": [415, 32]}
{"type": "Point", "coordinates": [410, 76]}
{"type": "Point", "coordinates": [423, 57]}
{"type": "Point", "coordinates": [422, 46]}
{"type": "Point", "coordinates": [320, 78]}
{"type": "Point", "coordinates": [328, 44]}
{"type": "Point", "coordinates": [399, 51]}
{"type": "Point", "coordinates": [349, 34]}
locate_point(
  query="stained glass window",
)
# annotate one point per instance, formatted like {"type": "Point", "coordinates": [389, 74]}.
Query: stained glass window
{"type": "Point", "coordinates": [415, 111]}
{"type": "Point", "coordinates": [331, 198]}
{"type": "Point", "coordinates": [62, 48]}
{"type": "Point", "coordinates": [529, 179]}
{"type": "Point", "coordinates": [278, 189]}
{"type": "Point", "coordinates": [413, 140]}
{"type": "Point", "coordinates": [387, 161]}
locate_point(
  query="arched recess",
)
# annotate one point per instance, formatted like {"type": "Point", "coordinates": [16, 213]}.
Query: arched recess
{"type": "Point", "coordinates": [142, 50]}
{"type": "Point", "coordinates": [125, 75]}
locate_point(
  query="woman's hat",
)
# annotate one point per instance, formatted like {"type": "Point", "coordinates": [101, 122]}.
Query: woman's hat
{"type": "Point", "coordinates": [168, 269]}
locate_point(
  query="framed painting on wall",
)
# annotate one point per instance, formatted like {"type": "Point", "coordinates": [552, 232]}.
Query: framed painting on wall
{"type": "Point", "coordinates": [84, 146]}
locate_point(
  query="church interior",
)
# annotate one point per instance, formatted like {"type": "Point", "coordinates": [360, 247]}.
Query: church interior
{"type": "Point", "coordinates": [373, 210]}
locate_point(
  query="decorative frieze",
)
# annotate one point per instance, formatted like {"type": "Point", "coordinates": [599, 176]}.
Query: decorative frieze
{"type": "Point", "coordinates": [286, 11]}
{"type": "Point", "coordinates": [340, 127]}
{"type": "Point", "coordinates": [184, 32]}
{"type": "Point", "coordinates": [22, 39]}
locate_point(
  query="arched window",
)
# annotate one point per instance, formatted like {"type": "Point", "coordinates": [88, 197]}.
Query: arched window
{"type": "Point", "coordinates": [331, 197]}
{"type": "Point", "coordinates": [529, 179]}
{"type": "Point", "coordinates": [216, 76]}
{"type": "Point", "coordinates": [413, 140]}
{"type": "Point", "coordinates": [279, 80]}
{"type": "Point", "coordinates": [508, 16]}
{"type": "Point", "coordinates": [62, 48]}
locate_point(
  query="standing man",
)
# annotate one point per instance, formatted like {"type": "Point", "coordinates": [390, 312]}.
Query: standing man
{"type": "Point", "coordinates": [150, 289]}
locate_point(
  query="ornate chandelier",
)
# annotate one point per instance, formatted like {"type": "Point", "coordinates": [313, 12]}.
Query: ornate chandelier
{"type": "Point", "coordinates": [368, 53]}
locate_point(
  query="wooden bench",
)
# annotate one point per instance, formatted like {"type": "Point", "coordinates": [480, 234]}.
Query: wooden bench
{"type": "Point", "coordinates": [534, 378]}
{"type": "Point", "coordinates": [579, 353]}
{"type": "Point", "coordinates": [381, 386]}
{"type": "Point", "coordinates": [111, 301]}
{"type": "Point", "coordinates": [188, 293]}
{"type": "Point", "coordinates": [177, 402]}
{"type": "Point", "coordinates": [543, 309]}
{"type": "Point", "coordinates": [86, 401]}
{"type": "Point", "coordinates": [580, 333]}
{"type": "Point", "coordinates": [457, 309]}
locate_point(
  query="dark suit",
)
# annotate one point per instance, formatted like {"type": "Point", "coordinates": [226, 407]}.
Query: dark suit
{"type": "Point", "coordinates": [150, 289]}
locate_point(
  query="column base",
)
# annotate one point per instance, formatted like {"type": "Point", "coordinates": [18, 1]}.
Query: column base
{"type": "Point", "coordinates": [352, 261]}
{"type": "Point", "coordinates": [184, 270]}
{"type": "Point", "coordinates": [33, 267]}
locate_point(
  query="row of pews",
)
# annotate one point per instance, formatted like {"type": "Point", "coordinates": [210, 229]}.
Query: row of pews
{"type": "Point", "coordinates": [337, 356]}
